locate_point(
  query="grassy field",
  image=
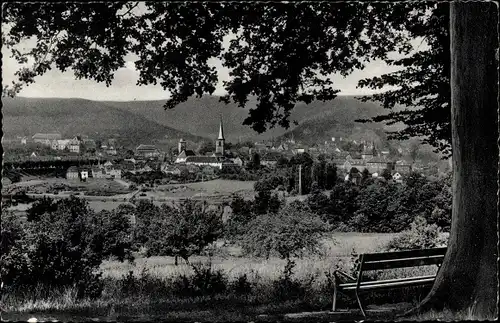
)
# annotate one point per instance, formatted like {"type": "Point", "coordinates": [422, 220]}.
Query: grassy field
{"type": "Point", "coordinates": [93, 184]}
{"type": "Point", "coordinates": [230, 259]}
{"type": "Point", "coordinates": [218, 187]}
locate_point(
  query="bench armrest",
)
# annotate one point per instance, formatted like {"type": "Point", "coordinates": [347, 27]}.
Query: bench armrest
{"type": "Point", "coordinates": [341, 273]}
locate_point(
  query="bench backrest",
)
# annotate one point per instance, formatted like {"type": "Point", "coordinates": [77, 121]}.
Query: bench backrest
{"type": "Point", "coordinates": [400, 259]}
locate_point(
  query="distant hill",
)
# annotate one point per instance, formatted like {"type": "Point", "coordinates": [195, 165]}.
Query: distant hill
{"type": "Point", "coordinates": [194, 120]}
{"type": "Point", "coordinates": [200, 116]}
{"type": "Point", "coordinates": [324, 128]}
{"type": "Point", "coordinates": [27, 116]}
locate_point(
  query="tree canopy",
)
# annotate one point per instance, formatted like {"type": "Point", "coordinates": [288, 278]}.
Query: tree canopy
{"type": "Point", "coordinates": [422, 81]}
{"type": "Point", "coordinates": [282, 54]}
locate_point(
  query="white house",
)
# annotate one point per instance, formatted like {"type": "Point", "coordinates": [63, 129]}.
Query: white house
{"type": "Point", "coordinates": [84, 174]}
{"type": "Point", "coordinates": [397, 177]}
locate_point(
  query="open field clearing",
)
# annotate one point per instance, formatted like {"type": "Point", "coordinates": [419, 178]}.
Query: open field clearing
{"type": "Point", "coordinates": [216, 187]}
{"type": "Point", "coordinates": [231, 261]}
{"type": "Point", "coordinates": [93, 184]}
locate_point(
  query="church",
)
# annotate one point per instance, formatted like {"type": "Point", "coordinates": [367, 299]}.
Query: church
{"type": "Point", "coordinates": [218, 159]}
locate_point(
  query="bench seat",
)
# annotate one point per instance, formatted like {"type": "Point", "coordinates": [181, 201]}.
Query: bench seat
{"type": "Point", "coordinates": [389, 283]}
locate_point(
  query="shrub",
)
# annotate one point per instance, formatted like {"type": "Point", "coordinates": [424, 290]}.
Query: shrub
{"type": "Point", "coordinates": [420, 236]}
{"type": "Point", "coordinates": [241, 215]}
{"type": "Point", "coordinates": [62, 248]}
{"type": "Point", "coordinates": [14, 263]}
{"type": "Point", "coordinates": [241, 286]}
{"type": "Point", "coordinates": [286, 287]}
{"type": "Point", "coordinates": [204, 281]}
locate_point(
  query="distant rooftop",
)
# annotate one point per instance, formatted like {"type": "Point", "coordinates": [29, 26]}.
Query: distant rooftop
{"type": "Point", "coordinates": [49, 136]}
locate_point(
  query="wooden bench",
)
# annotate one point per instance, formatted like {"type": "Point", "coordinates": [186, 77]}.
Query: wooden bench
{"type": "Point", "coordinates": [382, 261]}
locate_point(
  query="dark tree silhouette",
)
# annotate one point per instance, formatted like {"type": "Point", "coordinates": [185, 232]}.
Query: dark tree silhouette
{"type": "Point", "coordinates": [423, 104]}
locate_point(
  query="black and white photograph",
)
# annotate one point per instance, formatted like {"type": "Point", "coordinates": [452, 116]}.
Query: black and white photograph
{"type": "Point", "coordinates": [279, 161]}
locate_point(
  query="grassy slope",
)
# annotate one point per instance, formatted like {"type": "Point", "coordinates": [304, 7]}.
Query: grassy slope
{"type": "Point", "coordinates": [26, 116]}
{"type": "Point", "coordinates": [200, 116]}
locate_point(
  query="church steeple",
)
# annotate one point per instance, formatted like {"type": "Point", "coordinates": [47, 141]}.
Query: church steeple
{"type": "Point", "coordinates": [219, 143]}
{"type": "Point", "coordinates": [221, 130]}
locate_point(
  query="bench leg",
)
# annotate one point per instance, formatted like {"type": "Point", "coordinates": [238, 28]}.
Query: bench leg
{"type": "Point", "coordinates": [360, 305]}
{"type": "Point", "coordinates": [334, 304]}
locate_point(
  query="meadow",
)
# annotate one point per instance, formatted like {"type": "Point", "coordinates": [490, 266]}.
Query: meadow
{"type": "Point", "coordinates": [206, 189]}
{"type": "Point", "coordinates": [338, 248]}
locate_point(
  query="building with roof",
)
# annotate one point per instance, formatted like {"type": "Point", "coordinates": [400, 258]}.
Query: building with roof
{"type": "Point", "coordinates": [147, 151]}
{"type": "Point", "coordinates": [402, 167]}
{"type": "Point", "coordinates": [397, 177]}
{"type": "Point", "coordinates": [181, 146]}
{"type": "Point", "coordinates": [98, 172]}
{"type": "Point", "coordinates": [72, 173]}
{"type": "Point", "coordinates": [45, 138]}
{"type": "Point", "coordinates": [378, 164]}
{"type": "Point", "coordinates": [181, 158]}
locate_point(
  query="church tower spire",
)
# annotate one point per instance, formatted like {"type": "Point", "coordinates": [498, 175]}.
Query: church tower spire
{"type": "Point", "coordinates": [219, 143]}
{"type": "Point", "coordinates": [221, 130]}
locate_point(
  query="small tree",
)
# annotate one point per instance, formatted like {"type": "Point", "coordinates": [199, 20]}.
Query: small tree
{"type": "Point", "coordinates": [420, 236]}
{"type": "Point", "coordinates": [14, 264]}
{"type": "Point", "coordinates": [331, 176]}
{"type": "Point", "coordinates": [241, 215]}
{"type": "Point", "coordinates": [291, 233]}
{"type": "Point", "coordinates": [183, 230]}
{"type": "Point", "coordinates": [386, 173]}
{"type": "Point", "coordinates": [40, 207]}
{"type": "Point", "coordinates": [255, 163]}
{"type": "Point", "coordinates": [265, 202]}
{"type": "Point", "coordinates": [365, 175]}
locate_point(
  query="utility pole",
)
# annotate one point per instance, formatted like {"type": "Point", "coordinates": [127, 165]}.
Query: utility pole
{"type": "Point", "coordinates": [300, 179]}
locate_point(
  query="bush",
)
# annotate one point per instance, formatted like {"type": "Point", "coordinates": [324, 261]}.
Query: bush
{"type": "Point", "coordinates": [62, 247]}
{"type": "Point", "coordinates": [420, 236]}
{"type": "Point", "coordinates": [204, 282]}
{"type": "Point", "coordinates": [287, 288]}
{"type": "Point", "coordinates": [14, 263]}
{"type": "Point", "coordinates": [269, 182]}
{"type": "Point", "coordinates": [241, 286]}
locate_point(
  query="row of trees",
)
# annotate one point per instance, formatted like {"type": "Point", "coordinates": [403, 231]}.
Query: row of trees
{"type": "Point", "coordinates": [384, 206]}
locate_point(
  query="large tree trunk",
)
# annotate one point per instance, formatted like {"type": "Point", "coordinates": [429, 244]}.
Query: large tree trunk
{"type": "Point", "coordinates": [468, 277]}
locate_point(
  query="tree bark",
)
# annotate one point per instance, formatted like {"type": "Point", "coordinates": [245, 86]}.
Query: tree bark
{"type": "Point", "coordinates": [467, 280]}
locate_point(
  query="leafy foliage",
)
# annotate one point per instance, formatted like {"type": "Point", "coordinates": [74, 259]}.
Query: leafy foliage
{"type": "Point", "coordinates": [13, 260]}
{"type": "Point", "coordinates": [269, 182]}
{"type": "Point", "coordinates": [242, 214]}
{"type": "Point", "coordinates": [292, 232]}
{"type": "Point", "coordinates": [63, 244]}
{"type": "Point", "coordinates": [427, 95]}
{"type": "Point", "coordinates": [265, 202]}
{"type": "Point", "coordinates": [181, 231]}
{"type": "Point", "coordinates": [420, 236]}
